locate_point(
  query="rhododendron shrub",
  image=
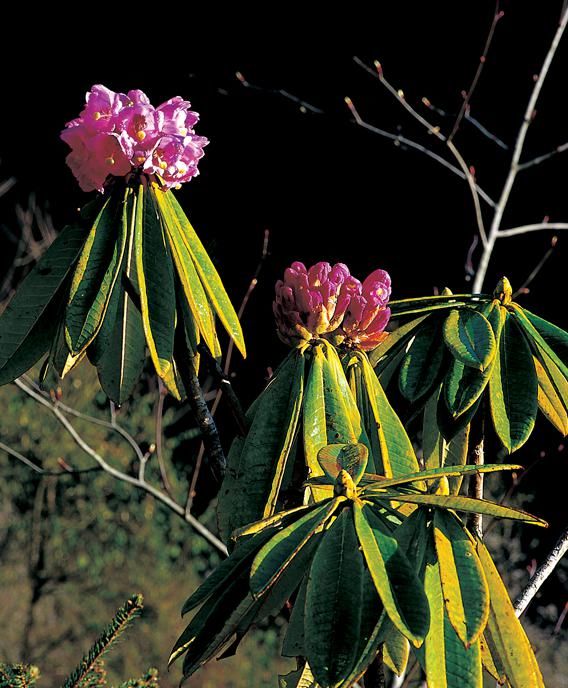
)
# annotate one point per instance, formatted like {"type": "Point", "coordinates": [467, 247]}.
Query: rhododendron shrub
{"type": "Point", "coordinates": [328, 507]}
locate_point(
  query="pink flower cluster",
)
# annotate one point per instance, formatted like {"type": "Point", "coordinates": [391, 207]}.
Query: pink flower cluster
{"type": "Point", "coordinates": [118, 132]}
{"type": "Point", "coordinates": [328, 301]}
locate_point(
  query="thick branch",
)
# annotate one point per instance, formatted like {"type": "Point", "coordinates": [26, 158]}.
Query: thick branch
{"type": "Point", "coordinates": [542, 573]}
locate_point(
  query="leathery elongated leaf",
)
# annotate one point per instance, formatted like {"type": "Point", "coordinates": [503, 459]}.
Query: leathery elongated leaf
{"type": "Point", "coordinates": [465, 590]}
{"type": "Point", "coordinates": [549, 401]}
{"type": "Point", "coordinates": [512, 646]}
{"type": "Point", "coordinates": [349, 457]}
{"type": "Point", "coordinates": [188, 276]}
{"type": "Point", "coordinates": [119, 349]}
{"type": "Point", "coordinates": [397, 584]}
{"type": "Point", "coordinates": [256, 465]}
{"type": "Point", "coordinates": [301, 678]}
{"type": "Point", "coordinates": [448, 663]}
{"type": "Point", "coordinates": [313, 417]}
{"type": "Point", "coordinates": [437, 473]}
{"type": "Point", "coordinates": [28, 322]}
{"type": "Point", "coordinates": [333, 603]}
{"type": "Point", "coordinates": [534, 335]}
{"type": "Point", "coordinates": [271, 561]}
{"type": "Point", "coordinates": [463, 386]}
{"type": "Point", "coordinates": [554, 336]}
{"type": "Point", "coordinates": [465, 504]}
{"type": "Point", "coordinates": [207, 273]}
{"type": "Point", "coordinates": [155, 281]}
{"type": "Point", "coordinates": [396, 339]}
{"type": "Point", "coordinates": [397, 454]}
{"type": "Point", "coordinates": [470, 338]}
{"type": "Point", "coordinates": [422, 364]}
{"type": "Point", "coordinates": [513, 388]}
{"type": "Point", "coordinates": [396, 648]}
{"type": "Point", "coordinates": [294, 641]}
{"type": "Point", "coordinates": [556, 379]}
{"type": "Point", "coordinates": [95, 275]}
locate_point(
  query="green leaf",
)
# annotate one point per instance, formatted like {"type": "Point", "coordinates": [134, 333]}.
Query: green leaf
{"type": "Point", "coordinates": [463, 386]}
{"type": "Point", "coordinates": [465, 504]}
{"type": "Point", "coordinates": [554, 336]}
{"type": "Point", "coordinates": [271, 561]}
{"type": "Point", "coordinates": [396, 582]}
{"type": "Point", "coordinates": [349, 457]}
{"type": "Point", "coordinates": [437, 473]}
{"type": "Point", "coordinates": [395, 341]}
{"type": "Point", "coordinates": [405, 307]}
{"type": "Point", "coordinates": [301, 678]}
{"type": "Point", "coordinates": [488, 652]}
{"type": "Point", "coordinates": [513, 388]}
{"type": "Point", "coordinates": [550, 402]}
{"type": "Point", "coordinates": [447, 662]}
{"type": "Point", "coordinates": [256, 464]}
{"type": "Point", "coordinates": [95, 275]}
{"type": "Point", "coordinates": [465, 590]}
{"type": "Point", "coordinates": [279, 520]}
{"type": "Point", "coordinates": [535, 337]}
{"type": "Point", "coordinates": [397, 453]}
{"type": "Point", "coordinates": [396, 649]}
{"type": "Point", "coordinates": [185, 267]}
{"type": "Point", "coordinates": [119, 349]}
{"type": "Point", "coordinates": [29, 321]}
{"type": "Point", "coordinates": [294, 644]}
{"type": "Point", "coordinates": [313, 417]}
{"type": "Point", "coordinates": [469, 336]}
{"type": "Point", "coordinates": [449, 425]}
{"type": "Point", "coordinates": [512, 646]}
{"type": "Point", "coordinates": [333, 603]}
{"type": "Point", "coordinates": [423, 362]}
{"type": "Point", "coordinates": [208, 274]}
{"type": "Point", "coordinates": [155, 281]}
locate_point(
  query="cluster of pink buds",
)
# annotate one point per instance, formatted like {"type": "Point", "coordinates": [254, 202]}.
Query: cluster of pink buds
{"type": "Point", "coordinates": [328, 301]}
{"type": "Point", "coordinates": [118, 132]}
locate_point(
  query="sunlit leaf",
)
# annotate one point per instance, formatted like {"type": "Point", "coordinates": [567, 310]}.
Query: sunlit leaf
{"type": "Point", "coordinates": [470, 338]}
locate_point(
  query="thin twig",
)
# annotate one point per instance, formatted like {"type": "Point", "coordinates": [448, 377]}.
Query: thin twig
{"type": "Point", "coordinates": [482, 60]}
{"type": "Point", "coordinates": [542, 158]}
{"type": "Point", "coordinates": [435, 131]}
{"type": "Point", "coordinates": [542, 573]}
{"type": "Point", "coordinates": [524, 288]}
{"type": "Point", "coordinates": [495, 227]}
{"type": "Point", "coordinates": [119, 475]}
{"type": "Point", "coordinates": [537, 227]}
{"type": "Point", "coordinates": [42, 471]}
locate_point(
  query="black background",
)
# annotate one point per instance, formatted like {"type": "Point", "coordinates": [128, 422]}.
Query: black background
{"type": "Point", "coordinates": [326, 189]}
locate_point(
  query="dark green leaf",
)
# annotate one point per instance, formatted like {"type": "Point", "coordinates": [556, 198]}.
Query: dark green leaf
{"type": "Point", "coordinates": [423, 362]}
{"type": "Point", "coordinates": [396, 341]}
{"type": "Point", "coordinates": [470, 338]}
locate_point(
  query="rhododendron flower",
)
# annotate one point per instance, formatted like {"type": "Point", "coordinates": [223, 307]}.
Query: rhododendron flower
{"type": "Point", "coordinates": [118, 133]}
{"type": "Point", "coordinates": [367, 314]}
{"type": "Point", "coordinates": [328, 301]}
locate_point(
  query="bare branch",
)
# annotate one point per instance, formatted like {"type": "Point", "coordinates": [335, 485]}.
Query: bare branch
{"type": "Point", "coordinates": [494, 230]}
{"type": "Point", "coordinates": [482, 60]}
{"type": "Point", "coordinates": [538, 227]}
{"type": "Point", "coordinates": [119, 475]}
{"type": "Point", "coordinates": [542, 158]}
{"type": "Point", "coordinates": [435, 131]}
{"type": "Point", "coordinates": [42, 471]}
{"type": "Point", "coordinates": [542, 573]}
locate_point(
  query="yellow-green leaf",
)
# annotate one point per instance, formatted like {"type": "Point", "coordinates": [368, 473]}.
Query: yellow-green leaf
{"type": "Point", "coordinates": [469, 336]}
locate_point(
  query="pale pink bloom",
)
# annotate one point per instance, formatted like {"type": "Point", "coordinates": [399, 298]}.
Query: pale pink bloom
{"type": "Point", "coordinates": [368, 314]}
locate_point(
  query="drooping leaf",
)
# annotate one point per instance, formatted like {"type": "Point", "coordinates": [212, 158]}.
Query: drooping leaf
{"type": "Point", "coordinates": [207, 273]}
{"type": "Point", "coordinates": [155, 282]}
{"type": "Point", "coordinates": [549, 401]}
{"type": "Point", "coordinates": [188, 276]}
{"type": "Point", "coordinates": [512, 646]}
{"type": "Point", "coordinates": [470, 338]}
{"type": "Point", "coordinates": [396, 648]}
{"type": "Point", "coordinates": [447, 662]}
{"type": "Point", "coordinates": [95, 275]}
{"type": "Point", "coordinates": [554, 336]}
{"type": "Point", "coordinates": [396, 340]}
{"type": "Point", "coordinates": [450, 426]}
{"type": "Point", "coordinates": [465, 590]}
{"type": "Point", "coordinates": [333, 603]}
{"type": "Point", "coordinates": [463, 387]}
{"type": "Point", "coordinates": [29, 321]}
{"type": "Point", "coordinates": [421, 366]}
{"type": "Point", "coordinates": [397, 584]}
{"type": "Point", "coordinates": [313, 417]}
{"type": "Point", "coordinates": [465, 504]}
{"type": "Point", "coordinates": [119, 349]}
{"type": "Point", "coordinates": [256, 464]}
{"type": "Point", "coordinates": [294, 644]}
{"type": "Point", "coordinates": [428, 304]}
{"type": "Point", "coordinates": [397, 454]}
{"type": "Point", "coordinates": [520, 316]}
{"type": "Point", "coordinates": [280, 550]}
{"type": "Point", "coordinates": [513, 388]}
{"type": "Point", "coordinates": [488, 654]}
